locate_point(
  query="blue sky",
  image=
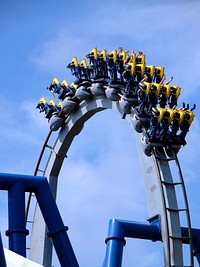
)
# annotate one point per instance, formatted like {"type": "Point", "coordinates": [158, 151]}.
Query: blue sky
{"type": "Point", "coordinates": [101, 178]}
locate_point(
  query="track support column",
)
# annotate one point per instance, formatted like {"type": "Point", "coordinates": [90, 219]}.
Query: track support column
{"type": "Point", "coordinates": [17, 224]}
{"type": "Point", "coordinates": [56, 228]}
{"type": "Point", "coordinates": [119, 229]}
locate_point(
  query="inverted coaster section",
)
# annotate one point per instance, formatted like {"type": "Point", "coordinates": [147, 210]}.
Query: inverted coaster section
{"type": "Point", "coordinates": [159, 185]}
{"type": "Point", "coordinates": [124, 83]}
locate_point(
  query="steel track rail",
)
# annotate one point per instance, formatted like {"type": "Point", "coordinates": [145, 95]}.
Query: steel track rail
{"type": "Point", "coordinates": [172, 211]}
{"type": "Point", "coordinates": [41, 249]}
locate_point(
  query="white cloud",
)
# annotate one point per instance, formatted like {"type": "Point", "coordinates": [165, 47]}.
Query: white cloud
{"type": "Point", "coordinates": [34, 118]}
{"type": "Point", "coordinates": [171, 39]}
{"type": "Point", "coordinates": [26, 125]}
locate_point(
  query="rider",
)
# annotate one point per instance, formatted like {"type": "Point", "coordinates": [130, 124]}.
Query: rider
{"type": "Point", "coordinates": [164, 92]}
{"type": "Point", "coordinates": [54, 87]}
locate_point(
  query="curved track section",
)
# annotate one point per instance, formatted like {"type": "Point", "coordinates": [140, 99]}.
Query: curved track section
{"type": "Point", "coordinates": [160, 185]}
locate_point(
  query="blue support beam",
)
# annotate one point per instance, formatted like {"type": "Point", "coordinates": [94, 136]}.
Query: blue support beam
{"type": "Point", "coordinates": [17, 185]}
{"type": "Point", "coordinates": [16, 219]}
{"type": "Point", "coordinates": [56, 228]}
{"type": "Point", "coordinates": [119, 229]}
{"type": "Point", "coordinates": [195, 239]}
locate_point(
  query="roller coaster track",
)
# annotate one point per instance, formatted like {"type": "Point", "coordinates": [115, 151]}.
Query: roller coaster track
{"type": "Point", "coordinates": [161, 183]}
{"type": "Point", "coordinates": [172, 210]}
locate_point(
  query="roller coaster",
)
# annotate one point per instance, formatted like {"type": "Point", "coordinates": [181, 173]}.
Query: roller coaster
{"type": "Point", "coordinates": [124, 83]}
{"type": "Point", "coordinates": [139, 88]}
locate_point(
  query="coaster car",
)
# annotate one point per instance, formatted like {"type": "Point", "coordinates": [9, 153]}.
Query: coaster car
{"type": "Point", "coordinates": [98, 88]}
{"type": "Point", "coordinates": [66, 90]}
{"type": "Point", "coordinates": [147, 147]}
{"type": "Point", "coordinates": [139, 121]}
{"type": "Point", "coordinates": [55, 122]}
{"type": "Point", "coordinates": [159, 124]}
{"type": "Point", "coordinates": [83, 91]}
{"type": "Point", "coordinates": [51, 109]}
{"type": "Point", "coordinates": [112, 93]}
{"type": "Point", "coordinates": [51, 112]}
{"type": "Point", "coordinates": [127, 104]}
{"type": "Point", "coordinates": [165, 123]}
{"type": "Point", "coordinates": [67, 105]}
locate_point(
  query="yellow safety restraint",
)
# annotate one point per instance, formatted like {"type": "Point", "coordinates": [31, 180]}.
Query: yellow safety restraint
{"type": "Point", "coordinates": [64, 83]}
{"type": "Point", "coordinates": [164, 113]}
{"type": "Point", "coordinates": [145, 86]}
{"type": "Point", "coordinates": [74, 62]}
{"type": "Point", "coordinates": [186, 115]}
{"type": "Point", "coordinates": [103, 54]}
{"type": "Point", "coordinates": [93, 53]}
{"type": "Point", "coordinates": [113, 55]}
{"type": "Point", "coordinates": [140, 59]}
{"type": "Point", "coordinates": [52, 103]}
{"type": "Point", "coordinates": [159, 71]}
{"type": "Point", "coordinates": [155, 87]}
{"type": "Point", "coordinates": [140, 68]}
{"type": "Point", "coordinates": [175, 90]}
{"type": "Point", "coordinates": [165, 89]}
{"type": "Point", "coordinates": [60, 104]}
{"type": "Point", "coordinates": [42, 100]}
{"type": "Point", "coordinates": [131, 67]}
{"type": "Point", "coordinates": [55, 81]}
{"type": "Point", "coordinates": [150, 69]}
{"type": "Point", "coordinates": [83, 64]}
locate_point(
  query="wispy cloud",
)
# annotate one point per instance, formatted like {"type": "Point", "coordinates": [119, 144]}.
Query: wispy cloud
{"type": "Point", "coordinates": [171, 41]}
